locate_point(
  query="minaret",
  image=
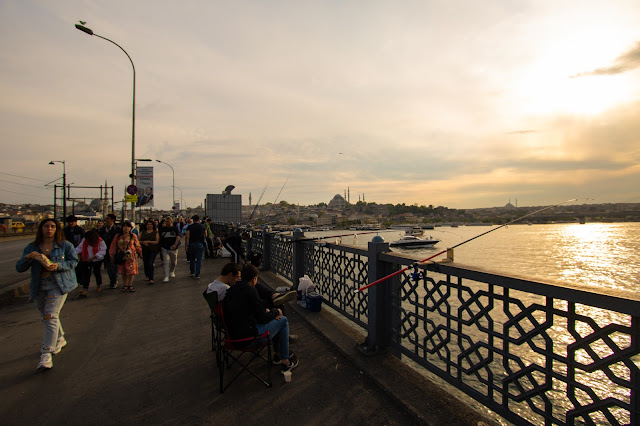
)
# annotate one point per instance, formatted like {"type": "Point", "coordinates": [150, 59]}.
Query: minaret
{"type": "Point", "coordinates": [249, 198]}
{"type": "Point", "coordinates": [348, 195]}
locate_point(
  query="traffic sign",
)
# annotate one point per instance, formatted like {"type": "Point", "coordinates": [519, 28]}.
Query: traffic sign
{"type": "Point", "coordinates": [132, 190]}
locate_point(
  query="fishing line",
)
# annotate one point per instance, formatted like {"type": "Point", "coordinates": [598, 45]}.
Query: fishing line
{"type": "Point", "coordinates": [459, 244]}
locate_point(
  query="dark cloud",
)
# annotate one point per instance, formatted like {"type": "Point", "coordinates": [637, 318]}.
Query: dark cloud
{"type": "Point", "coordinates": [623, 63]}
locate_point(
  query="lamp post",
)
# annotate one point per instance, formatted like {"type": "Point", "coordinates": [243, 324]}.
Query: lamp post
{"type": "Point", "coordinates": [173, 183]}
{"type": "Point", "coordinates": [133, 121]}
{"type": "Point", "coordinates": [64, 190]}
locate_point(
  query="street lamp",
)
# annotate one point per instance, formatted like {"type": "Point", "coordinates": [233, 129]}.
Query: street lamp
{"type": "Point", "coordinates": [173, 183]}
{"type": "Point", "coordinates": [64, 190]}
{"type": "Point", "coordinates": [133, 121]}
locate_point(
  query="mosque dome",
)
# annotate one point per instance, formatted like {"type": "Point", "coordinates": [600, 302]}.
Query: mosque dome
{"type": "Point", "coordinates": [338, 202]}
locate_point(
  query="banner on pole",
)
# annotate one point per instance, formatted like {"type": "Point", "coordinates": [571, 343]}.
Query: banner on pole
{"type": "Point", "coordinates": [144, 181]}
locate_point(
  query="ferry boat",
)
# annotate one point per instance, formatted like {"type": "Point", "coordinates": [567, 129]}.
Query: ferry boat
{"type": "Point", "coordinates": [411, 241]}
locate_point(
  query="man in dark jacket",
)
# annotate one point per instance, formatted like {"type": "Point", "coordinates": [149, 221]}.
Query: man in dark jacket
{"type": "Point", "coordinates": [108, 232]}
{"type": "Point", "coordinates": [233, 243]}
{"type": "Point", "coordinates": [72, 232]}
{"type": "Point", "coordinates": [246, 316]}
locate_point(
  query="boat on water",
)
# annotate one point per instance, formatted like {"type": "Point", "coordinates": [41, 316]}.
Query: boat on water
{"type": "Point", "coordinates": [411, 241]}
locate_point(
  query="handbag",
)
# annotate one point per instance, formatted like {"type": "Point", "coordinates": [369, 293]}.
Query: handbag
{"type": "Point", "coordinates": [119, 258]}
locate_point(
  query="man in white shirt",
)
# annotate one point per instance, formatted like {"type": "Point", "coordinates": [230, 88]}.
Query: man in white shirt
{"type": "Point", "coordinates": [229, 275]}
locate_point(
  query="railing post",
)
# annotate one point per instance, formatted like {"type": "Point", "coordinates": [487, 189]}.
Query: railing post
{"type": "Point", "coordinates": [379, 314]}
{"type": "Point", "coordinates": [266, 250]}
{"type": "Point", "coordinates": [298, 258]}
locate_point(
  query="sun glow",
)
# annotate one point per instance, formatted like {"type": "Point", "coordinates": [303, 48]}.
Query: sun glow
{"type": "Point", "coordinates": [559, 80]}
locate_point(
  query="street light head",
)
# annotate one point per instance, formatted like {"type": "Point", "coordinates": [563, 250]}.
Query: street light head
{"type": "Point", "coordinates": [84, 29]}
{"type": "Point", "coordinates": [51, 162]}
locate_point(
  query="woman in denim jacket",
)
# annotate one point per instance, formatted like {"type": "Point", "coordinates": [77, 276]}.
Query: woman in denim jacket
{"type": "Point", "coordinates": [52, 261]}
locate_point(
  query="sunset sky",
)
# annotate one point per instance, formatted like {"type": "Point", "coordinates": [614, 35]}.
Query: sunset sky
{"type": "Point", "coordinates": [456, 103]}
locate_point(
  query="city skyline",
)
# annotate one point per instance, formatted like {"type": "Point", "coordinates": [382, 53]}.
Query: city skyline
{"type": "Point", "coordinates": [459, 104]}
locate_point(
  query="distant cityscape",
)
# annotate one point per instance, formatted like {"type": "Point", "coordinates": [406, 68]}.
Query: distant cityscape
{"type": "Point", "coordinates": [340, 213]}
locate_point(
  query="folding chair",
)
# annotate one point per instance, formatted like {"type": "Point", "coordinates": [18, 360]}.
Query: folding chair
{"type": "Point", "coordinates": [217, 329]}
{"type": "Point", "coordinates": [253, 347]}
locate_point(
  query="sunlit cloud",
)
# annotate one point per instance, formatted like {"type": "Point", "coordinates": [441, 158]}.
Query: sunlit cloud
{"type": "Point", "coordinates": [626, 62]}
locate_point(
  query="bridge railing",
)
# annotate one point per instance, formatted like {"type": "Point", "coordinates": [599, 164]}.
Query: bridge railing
{"type": "Point", "coordinates": [533, 352]}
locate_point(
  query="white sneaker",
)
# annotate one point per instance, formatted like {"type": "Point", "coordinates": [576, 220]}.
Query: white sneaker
{"type": "Point", "coordinates": [173, 275]}
{"type": "Point", "coordinates": [62, 342]}
{"type": "Point", "coordinates": [165, 280]}
{"type": "Point", "coordinates": [46, 362]}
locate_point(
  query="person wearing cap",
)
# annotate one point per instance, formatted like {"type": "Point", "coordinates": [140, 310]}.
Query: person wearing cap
{"type": "Point", "coordinates": [72, 232]}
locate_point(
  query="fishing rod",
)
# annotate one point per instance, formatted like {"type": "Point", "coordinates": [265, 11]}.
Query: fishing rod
{"type": "Point", "coordinates": [276, 200]}
{"type": "Point", "coordinates": [459, 244]}
{"type": "Point", "coordinates": [343, 235]}
{"type": "Point", "coordinates": [258, 203]}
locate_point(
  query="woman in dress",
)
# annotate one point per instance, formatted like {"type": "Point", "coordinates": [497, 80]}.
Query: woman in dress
{"type": "Point", "coordinates": [52, 261]}
{"type": "Point", "coordinates": [91, 252]}
{"type": "Point", "coordinates": [149, 239]}
{"type": "Point", "coordinates": [126, 242]}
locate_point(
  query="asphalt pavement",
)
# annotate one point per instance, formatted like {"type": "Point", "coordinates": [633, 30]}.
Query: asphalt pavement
{"type": "Point", "coordinates": [145, 358]}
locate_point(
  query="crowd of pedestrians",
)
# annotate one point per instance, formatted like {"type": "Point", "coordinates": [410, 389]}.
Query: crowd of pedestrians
{"type": "Point", "coordinates": [60, 259]}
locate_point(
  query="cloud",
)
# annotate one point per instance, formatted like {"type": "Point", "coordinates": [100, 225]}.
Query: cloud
{"type": "Point", "coordinates": [623, 63]}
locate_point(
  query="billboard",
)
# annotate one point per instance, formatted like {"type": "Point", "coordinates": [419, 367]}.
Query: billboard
{"type": "Point", "coordinates": [144, 181]}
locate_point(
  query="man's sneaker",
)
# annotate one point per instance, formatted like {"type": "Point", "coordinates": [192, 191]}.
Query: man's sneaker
{"type": "Point", "coordinates": [284, 297]}
{"type": "Point", "coordinates": [62, 342]}
{"type": "Point", "coordinates": [293, 363]}
{"type": "Point", "coordinates": [165, 280]}
{"type": "Point", "coordinates": [276, 359]}
{"type": "Point", "coordinates": [197, 277]}
{"type": "Point", "coordinates": [173, 275]}
{"type": "Point", "coordinates": [293, 338]}
{"type": "Point", "coordinates": [46, 362]}
{"type": "Point", "coordinates": [112, 286]}
{"type": "Point", "coordinates": [192, 275]}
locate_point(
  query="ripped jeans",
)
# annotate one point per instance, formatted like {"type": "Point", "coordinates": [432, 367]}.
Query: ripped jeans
{"type": "Point", "coordinates": [49, 302]}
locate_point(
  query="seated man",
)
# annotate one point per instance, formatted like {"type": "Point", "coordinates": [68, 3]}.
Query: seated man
{"type": "Point", "coordinates": [229, 275]}
{"type": "Point", "coordinates": [246, 316]}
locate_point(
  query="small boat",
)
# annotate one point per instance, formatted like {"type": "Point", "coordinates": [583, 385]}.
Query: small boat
{"type": "Point", "coordinates": [411, 241]}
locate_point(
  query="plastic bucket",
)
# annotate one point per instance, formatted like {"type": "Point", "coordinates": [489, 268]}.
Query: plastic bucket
{"type": "Point", "coordinates": [314, 301]}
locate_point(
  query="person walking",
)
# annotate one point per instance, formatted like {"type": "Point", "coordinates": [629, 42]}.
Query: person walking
{"type": "Point", "coordinates": [108, 232]}
{"type": "Point", "coordinates": [126, 242]}
{"type": "Point", "coordinates": [169, 242]}
{"type": "Point", "coordinates": [208, 235]}
{"type": "Point", "coordinates": [52, 261]}
{"type": "Point", "coordinates": [150, 240]}
{"type": "Point", "coordinates": [91, 252]}
{"type": "Point", "coordinates": [72, 232]}
{"type": "Point", "coordinates": [194, 245]}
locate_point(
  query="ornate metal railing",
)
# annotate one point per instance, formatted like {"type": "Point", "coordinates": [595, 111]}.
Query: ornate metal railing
{"type": "Point", "coordinates": [533, 352]}
{"type": "Point", "coordinates": [337, 271]}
